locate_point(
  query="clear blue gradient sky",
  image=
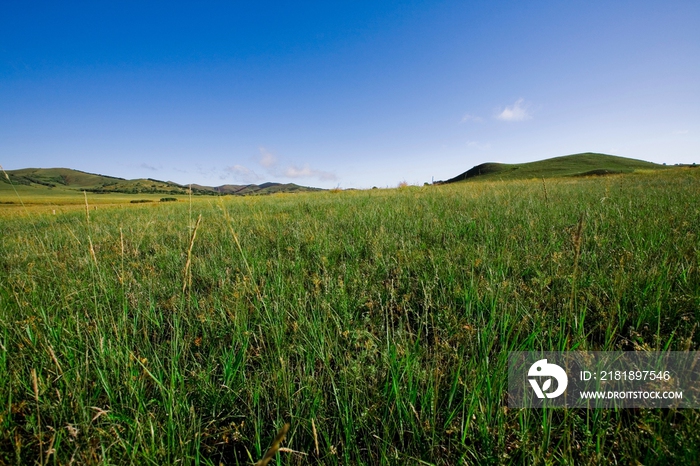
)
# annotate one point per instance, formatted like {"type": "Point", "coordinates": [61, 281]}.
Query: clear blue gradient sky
{"type": "Point", "coordinates": [354, 94]}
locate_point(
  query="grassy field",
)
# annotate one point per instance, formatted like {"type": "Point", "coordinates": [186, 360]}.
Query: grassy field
{"type": "Point", "coordinates": [377, 323]}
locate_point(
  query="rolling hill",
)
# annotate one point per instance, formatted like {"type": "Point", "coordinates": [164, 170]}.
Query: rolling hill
{"type": "Point", "coordinates": [586, 164]}
{"type": "Point", "coordinates": [68, 180]}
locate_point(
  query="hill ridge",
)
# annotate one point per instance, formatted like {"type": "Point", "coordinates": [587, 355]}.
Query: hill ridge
{"type": "Point", "coordinates": [582, 164]}
{"type": "Point", "coordinates": [78, 180]}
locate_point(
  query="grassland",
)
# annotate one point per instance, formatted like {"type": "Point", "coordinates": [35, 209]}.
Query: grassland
{"type": "Point", "coordinates": [377, 323]}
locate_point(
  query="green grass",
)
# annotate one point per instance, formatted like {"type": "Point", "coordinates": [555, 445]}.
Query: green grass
{"type": "Point", "coordinates": [587, 164]}
{"type": "Point", "coordinates": [382, 318]}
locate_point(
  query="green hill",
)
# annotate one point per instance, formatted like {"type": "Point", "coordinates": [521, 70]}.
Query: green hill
{"type": "Point", "coordinates": [65, 179]}
{"type": "Point", "coordinates": [53, 177]}
{"type": "Point", "coordinates": [586, 164]}
{"type": "Point", "coordinates": [54, 180]}
{"type": "Point", "coordinates": [265, 188]}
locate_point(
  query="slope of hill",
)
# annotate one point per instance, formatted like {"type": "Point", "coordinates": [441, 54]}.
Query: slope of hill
{"type": "Point", "coordinates": [65, 179]}
{"type": "Point", "coordinates": [243, 189]}
{"type": "Point", "coordinates": [586, 164]}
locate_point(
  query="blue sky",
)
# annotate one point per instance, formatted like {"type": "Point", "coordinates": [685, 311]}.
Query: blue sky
{"type": "Point", "coordinates": [349, 94]}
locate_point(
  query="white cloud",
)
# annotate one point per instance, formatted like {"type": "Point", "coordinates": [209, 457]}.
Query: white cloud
{"type": "Point", "coordinates": [308, 172]}
{"type": "Point", "coordinates": [467, 117]}
{"type": "Point", "coordinates": [211, 171]}
{"type": "Point", "coordinates": [681, 131]}
{"type": "Point", "coordinates": [266, 159]}
{"type": "Point", "coordinates": [273, 169]}
{"type": "Point", "coordinates": [241, 173]}
{"type": "Point", "coordinates": [516, 112]}
{"type": "Point", "coordinates": [479, 145]}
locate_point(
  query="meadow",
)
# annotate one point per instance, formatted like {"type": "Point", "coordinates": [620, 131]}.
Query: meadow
{"type": "Point", "coordinates": [377, 323]}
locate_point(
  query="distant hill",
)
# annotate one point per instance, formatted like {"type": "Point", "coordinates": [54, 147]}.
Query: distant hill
{"type": "Point", "coordinates": [75, 180]}
{"type": "Point", "coordinates": [586, 164]}
{"type": "Point", "coordinates": [243, 189]}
